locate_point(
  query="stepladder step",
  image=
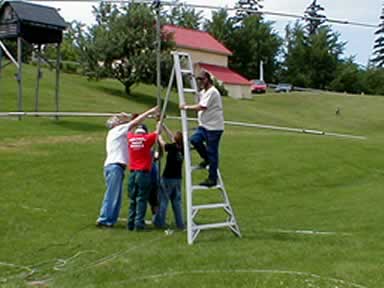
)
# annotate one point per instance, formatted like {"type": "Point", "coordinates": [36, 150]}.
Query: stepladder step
{"type": "Point", "coordinates": [201, 187]}
{"type": "Point", "coordinates": [210, 206]}
{"type": "Point", "coordinates": [186, 71]}
{"type": "Point", "coordinates": [190, 90]}
{"type": "Point", "coordinates": [215, 225]}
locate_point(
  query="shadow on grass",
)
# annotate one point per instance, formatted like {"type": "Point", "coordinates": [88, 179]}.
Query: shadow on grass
{"type": "Point", "coordinates": [114, 91]}
{"type": "Point", "coordinates": [141, 98]}
{"type": "Point", "coordinates": [80, 126]}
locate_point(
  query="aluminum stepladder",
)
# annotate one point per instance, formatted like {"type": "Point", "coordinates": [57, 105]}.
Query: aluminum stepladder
{"type": "Point", "coordinates": [182, 69]}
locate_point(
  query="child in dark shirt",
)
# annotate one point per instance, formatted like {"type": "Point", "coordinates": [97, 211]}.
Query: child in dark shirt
{"type": "Point", "coordinates": [170, 185]}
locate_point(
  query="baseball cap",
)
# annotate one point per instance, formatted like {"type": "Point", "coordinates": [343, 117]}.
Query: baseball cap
{"type": "Point", "coordinates": [141, 129]}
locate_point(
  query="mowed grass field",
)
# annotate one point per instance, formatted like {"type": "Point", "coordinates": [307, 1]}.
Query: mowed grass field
{"type": "Point", "coordinates": [310, 208]}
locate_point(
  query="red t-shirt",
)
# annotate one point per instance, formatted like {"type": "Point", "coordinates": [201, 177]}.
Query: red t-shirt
{"type": "Point", "coordinates": [139, 148]}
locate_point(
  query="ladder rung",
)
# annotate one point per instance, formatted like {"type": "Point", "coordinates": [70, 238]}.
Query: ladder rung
{"type": "Point", "coordinates": [201, 187]}
{"type": "Point", "coordinates": [186, 71]}
{"type": "Point", "coordinates": [190, 90]}
{"type": "Point", "coordinates": [180, 53]}
{"type": "Point", "coordinates": [214, 225]}
{"type": "Point", "coordinates": [210, 206]}
{"type": "Point", "coordinates": [193, 168]}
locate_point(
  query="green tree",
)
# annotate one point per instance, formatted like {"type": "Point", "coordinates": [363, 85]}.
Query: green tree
{"type": "Point", "coordinates": [252, 41]}
{"type": "Point", "coordinates": [324, 54]}
{"type": "Point", "coordinates": [311, 60]}
{"type": "Point", "coordinates": [373, 81]}
{"type": "Point", "coordinates": [378, 48]}
{"type": "Point", "coordinates": [184, 16]}
{"type": "Point", "coordinates": [313, 17]}
{"type": "Point", "coordinates": [71, 46]}
{"type": "Point", "coordinates": [296, 56]}
{"type": "Point", "coordinates": [122, 45]}
{"type": "Point", "coordinates": [348, 77]}
{"type": "Point", "coordinates": [221, 26]}
{"type": "Point", "coordinates": [246, 8]}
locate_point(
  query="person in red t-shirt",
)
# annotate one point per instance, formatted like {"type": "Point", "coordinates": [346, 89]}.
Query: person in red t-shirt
{"type": "Point", "coordinates": [139, 183]}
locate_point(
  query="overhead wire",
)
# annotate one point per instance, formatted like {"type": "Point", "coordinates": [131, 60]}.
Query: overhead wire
{"type": "Point", "coordinates": [212, 7]}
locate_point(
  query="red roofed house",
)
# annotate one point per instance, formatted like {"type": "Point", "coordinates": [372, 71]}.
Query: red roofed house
{"type": "Point", "coordinates": [210, 55]}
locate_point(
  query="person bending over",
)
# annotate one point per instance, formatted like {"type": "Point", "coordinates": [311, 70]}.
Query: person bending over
{"type": "Point", "coordinates": [115, 163]}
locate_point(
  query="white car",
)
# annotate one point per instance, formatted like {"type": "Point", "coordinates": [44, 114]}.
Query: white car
{"type": "Point", "coordinates": [284, 87]}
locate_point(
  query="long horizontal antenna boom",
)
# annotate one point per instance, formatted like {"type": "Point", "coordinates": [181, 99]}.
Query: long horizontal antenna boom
{"type": "Point", "coordinates": [209, 7]}
{"type": "Point", "coordinates": [229, 123]}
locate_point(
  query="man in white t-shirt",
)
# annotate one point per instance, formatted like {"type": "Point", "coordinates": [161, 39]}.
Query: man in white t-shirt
{"type": "Point", "coordinates": [115, 164]}
{"type": "Point", "coordinates": [206, 138]}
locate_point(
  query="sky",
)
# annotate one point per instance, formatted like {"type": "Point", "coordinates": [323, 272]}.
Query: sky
{"type": "Point", "coordinates": [359, 39]}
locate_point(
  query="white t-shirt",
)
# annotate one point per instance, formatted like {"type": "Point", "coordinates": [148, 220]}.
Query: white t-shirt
{"type": "Point", "coordinates": [212, 118]}
{"type": "Point", "coordinates": [117, 145]}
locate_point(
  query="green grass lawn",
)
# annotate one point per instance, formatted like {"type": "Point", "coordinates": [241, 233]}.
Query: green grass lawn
{"type": "Point", "coordinates": [282, 186]}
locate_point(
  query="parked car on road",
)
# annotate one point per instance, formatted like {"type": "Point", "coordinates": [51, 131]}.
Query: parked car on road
{"type": "Point", "coordinates": [258, 86]}
{"type": "Point", "coordinates": [284, 87]}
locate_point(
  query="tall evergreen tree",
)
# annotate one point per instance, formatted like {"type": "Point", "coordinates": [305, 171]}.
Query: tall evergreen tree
{"type": "Point", "coordinates": [221, 26]}
{"type": "Point", "coordinates": [253, 41]}
{"type": "Point", "coordinates": [311, 61]}
{"type": "Point", "coordinates": [378, 48]}
{"type": "Point", "coordinates": [184, 16]}
{"type": "Point", "coordinates": [313, 17]}
{"type": "Point", "coordinates": [296, 56]}
{"type": "Point", "coordinates": [246, 8]}
{"type": "Point", "coordinates": [324, 56]}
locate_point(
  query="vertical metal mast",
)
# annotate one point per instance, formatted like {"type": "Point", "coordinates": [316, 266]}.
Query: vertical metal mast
{"type": "Point", "coordinates": [156, 5]}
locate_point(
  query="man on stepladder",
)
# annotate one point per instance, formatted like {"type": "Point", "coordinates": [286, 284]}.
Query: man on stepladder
{"type": "Point", "coordinates": [206, 138]}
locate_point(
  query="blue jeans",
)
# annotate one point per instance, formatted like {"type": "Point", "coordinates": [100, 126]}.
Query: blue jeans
{"type": "Point", "coordinates": [206, 143]}
{"type": "Point", "coordinates": [139, 185]}
{"type": "Point", "coordinates": [153, 197]}
{"type": "Point", "coordinates": [110, 209]}
{"type": "Point", "coordinates": [170, 190]}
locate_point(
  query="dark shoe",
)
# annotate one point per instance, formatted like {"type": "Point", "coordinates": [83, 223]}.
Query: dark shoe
{"type": "Point", "coordinates": [208, 182]}
{"type": "Point", "coordinates": [159, 227]}
{"type": "Point", "coordinates": [204, 164]}
{"type": "Point", "coordinates": [103, 225]}
{"type": "Point", "coordinates": [142, 229]}
{"type": "Point", "coordinates": [180, 228]}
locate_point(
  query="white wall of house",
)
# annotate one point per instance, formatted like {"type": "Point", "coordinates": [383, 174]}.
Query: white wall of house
{"type": "Point", "coordinates": [238, 91]}
{"type": "Point", "coordinates": [206, 57]}
{"type": "Point", "coordinates": [234, 90]}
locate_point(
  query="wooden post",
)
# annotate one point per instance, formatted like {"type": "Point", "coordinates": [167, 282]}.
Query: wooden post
{"type": "Point", "coordinates": [37, 91]}
{"type": "Point", "coordinates": [1, 67]}
{"type": "Point", "coordinates": [19, 76]}
{"type": "Point", "coordinates": [1, 61]}
{"type": "Point", "coordinates": [57, 89]}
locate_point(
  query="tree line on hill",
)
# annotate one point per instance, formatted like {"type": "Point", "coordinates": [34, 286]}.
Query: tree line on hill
{"type": "Point", "coordinates": [122, 44]}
